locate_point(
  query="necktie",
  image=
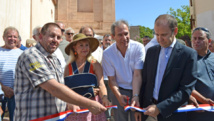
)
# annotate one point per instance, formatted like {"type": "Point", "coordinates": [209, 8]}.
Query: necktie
{"type": "Point", "coordinates": [163, 60]}
{"type": "Point", "coordinates": [163, 63]}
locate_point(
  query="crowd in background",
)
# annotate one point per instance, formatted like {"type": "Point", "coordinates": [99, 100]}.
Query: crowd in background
{"type": "Point", "coordinates": [161, 74]}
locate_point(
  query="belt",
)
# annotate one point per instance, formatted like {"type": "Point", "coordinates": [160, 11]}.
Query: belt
{"type": "Point", "coordinates": [125, 89]}
{"type": "Point", "coordinates": [154, 101]}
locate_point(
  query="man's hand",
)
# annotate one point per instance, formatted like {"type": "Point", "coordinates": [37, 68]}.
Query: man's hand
{"type": "Point", "coordinates": [135, 101]}
{"type": "Point", "coordinates": [8, 92]}
{"type": "Point", "coordinates": [193, 101]}
{"type": "Point", "coordinates": [152, 110]}
{"type": "Point", "coordinates": [209, 101]}
{"type": "Point", "coordinates": [137, 116]}
{"type": "Point", "coordinates": [122, 99]}
{"type": "Point", "coordinates": [73, 107]}
{"type": "Point", "coordinates": [96, 108]}
{"type": "Point", "coordinates": [105, 101]}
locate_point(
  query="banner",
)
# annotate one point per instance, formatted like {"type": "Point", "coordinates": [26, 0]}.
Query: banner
{"type": "Point", "coordinates": [62, 115]}
{"type": "Point", "coordinates": [187, 108]}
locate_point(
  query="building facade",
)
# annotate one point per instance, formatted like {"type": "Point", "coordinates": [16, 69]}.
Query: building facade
{"type": "Point", "coordinates": [27, 14]}
{"type": "Point", "coordinates": [202, 14]}
{"type": "Point", "coordinates": [99, 14]}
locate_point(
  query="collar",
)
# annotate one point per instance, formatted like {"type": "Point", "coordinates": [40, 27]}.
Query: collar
{"type": "Point", "coordinates": [43, 51]}
{"type": "Point", "coordinates": [118, 51]}
{"type": "Point", "coordinates": [172, 45]}
{"type": "Point", "coordinates": [206, 56]}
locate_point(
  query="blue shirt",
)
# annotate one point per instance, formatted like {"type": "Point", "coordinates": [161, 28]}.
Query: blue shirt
{"type": "Point", "coordinates": [8, 59]}
{"type": "Point", "coordinates": [205, 78]}
{"type": "Point", "coordinates": [23, 47]}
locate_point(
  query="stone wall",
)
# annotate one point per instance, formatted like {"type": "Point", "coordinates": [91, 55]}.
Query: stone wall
{"type": "Point", "coordinates": [99, 14]}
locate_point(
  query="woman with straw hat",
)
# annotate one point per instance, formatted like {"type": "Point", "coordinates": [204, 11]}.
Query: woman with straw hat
{"type": "Point", "coordinates": [80, 50]}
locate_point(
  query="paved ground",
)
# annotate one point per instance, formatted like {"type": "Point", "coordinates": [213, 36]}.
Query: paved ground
{"type": "Point", "coordinates": [6, 117]}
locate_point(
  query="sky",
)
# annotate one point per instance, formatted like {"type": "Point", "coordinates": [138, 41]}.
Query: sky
{"type": "Point", "coordinates": [144, 12]}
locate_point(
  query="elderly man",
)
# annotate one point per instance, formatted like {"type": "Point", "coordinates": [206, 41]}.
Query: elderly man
{"type": "Point", "coordinates": [168, 74]}
{"type": "Point", "coordinates": [204, 88]}
{"type": "Point", "coordinates": [88, 31]}
{"type": "Point", "coordinates": [39, 85]}
{"type": "Point", "coordinates": [211, 46]}
{"type": "Point", "coordinates": [122, 63]}
{"type": "Point", "coordinates": [69, 33]}
{"type": "Point", "coordinates": [19, 44]}
{"type": "Point", "coordinates": [9, 54]}
{"type": "Point", "coordinates": [63, 43]}
{"type": "Point", "coordinates": [107, 41]}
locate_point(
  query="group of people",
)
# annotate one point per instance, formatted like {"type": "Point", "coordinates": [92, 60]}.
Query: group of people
{"type": "Point", "coordinates": [160, 78]}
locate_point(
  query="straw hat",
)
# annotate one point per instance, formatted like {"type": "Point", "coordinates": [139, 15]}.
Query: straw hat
{"type": "Point", "coordinates": [93, 42]}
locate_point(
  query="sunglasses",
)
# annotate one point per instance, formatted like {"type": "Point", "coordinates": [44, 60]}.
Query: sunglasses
{"type": "Point", "coordinates": [201, 28]}
{"type": "Point", "coordinates": [70, 33]}
{"type": "Point", "coordinates": [63, 30]}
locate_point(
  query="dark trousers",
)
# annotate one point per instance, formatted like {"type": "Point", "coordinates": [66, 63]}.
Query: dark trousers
{"type": "Point", "coordinates": [10, 102]}
{"type": "Point", "coordinates": [119, 113]}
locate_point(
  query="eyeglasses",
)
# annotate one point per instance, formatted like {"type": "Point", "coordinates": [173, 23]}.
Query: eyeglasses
{"type": "Point", "coordinates": [70, 33]}
{"type": "Point", "coordinates": [201, 28]}
{"type": "Point", "coordinates": [63, 30]}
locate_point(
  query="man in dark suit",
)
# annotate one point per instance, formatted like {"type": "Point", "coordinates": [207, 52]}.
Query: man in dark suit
{"type": "Point", "coordinates": [168, 74]}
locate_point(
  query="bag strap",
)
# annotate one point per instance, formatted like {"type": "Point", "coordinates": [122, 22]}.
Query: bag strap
{"type": "Point", "coordinates": [86, 68]}
{"type": "Point", "coordinates": [75, 70]}
{"type": "Point", "coordinates": [74, 67]}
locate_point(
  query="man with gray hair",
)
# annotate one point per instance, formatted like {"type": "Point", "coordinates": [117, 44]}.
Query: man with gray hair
{"type": "Point", "coordinates": [122, 63]}
{"type": "Point", "coordinates": [69, 33]}
{"type": "Point", "coordinates": [36, 32]}
{"type": "Point", "coordinates": [204, 88]}
{"type": "Point", "coordinates": [9, 54]}
{"type": "Point", "coordinates": [19, 44]}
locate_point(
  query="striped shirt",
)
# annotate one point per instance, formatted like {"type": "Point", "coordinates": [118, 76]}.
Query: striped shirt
{"type": "Point", "coordinates": [8, 59]}
{"type": "Point", "coordinates": [34, 68]}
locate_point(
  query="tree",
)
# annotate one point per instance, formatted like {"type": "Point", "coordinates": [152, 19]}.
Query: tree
{"type": "Point", "coordinates": [183, 17]}
{"type": "Point", "coordinates": [146, 31]}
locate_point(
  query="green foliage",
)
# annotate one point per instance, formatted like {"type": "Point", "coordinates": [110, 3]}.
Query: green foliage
{"type": "Point", "coordinates": [145, 31]}
{"type": "Point", "coordinates": [183, 17]}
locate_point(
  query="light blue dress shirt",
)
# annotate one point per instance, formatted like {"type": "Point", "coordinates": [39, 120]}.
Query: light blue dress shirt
{"type": "Point", "coordinates": [162, 63]}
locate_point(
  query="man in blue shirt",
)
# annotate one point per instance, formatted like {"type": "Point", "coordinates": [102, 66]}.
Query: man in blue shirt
{"type": "Point", "coordinates": [9, 54]}
{"type": "Point", "coordinates": [19, 44]}
{"type": "Point", "coordinates": [204, 88]}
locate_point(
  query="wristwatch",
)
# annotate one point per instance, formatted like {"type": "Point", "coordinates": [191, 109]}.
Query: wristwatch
{"type": "Point", "coordinates": [135, 95]}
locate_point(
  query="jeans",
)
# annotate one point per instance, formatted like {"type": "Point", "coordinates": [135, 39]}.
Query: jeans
{"type": "Point", "coordinates": [11, 106]}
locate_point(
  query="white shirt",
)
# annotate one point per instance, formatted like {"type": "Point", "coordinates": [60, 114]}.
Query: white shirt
{"type": "Point", "coordinates": [153, 42]}
{"type": "Point", "coordinates": [61, 58]}
{"type": "Point", "coordinates": [98, 54]}
{"type": "Point", "coordinates": [114, 64]}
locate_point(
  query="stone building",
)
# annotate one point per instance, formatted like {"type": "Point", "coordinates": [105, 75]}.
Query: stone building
{"type": "Point", "coordinates": [27, 14]}
{"type": "Point", "coordinates": [99, 14]}
{"type": "Point", "coordinates": [202, 14]}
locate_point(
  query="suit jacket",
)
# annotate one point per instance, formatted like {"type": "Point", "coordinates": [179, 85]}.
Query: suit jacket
{"type": "Point", "coordinates": [177, 84]}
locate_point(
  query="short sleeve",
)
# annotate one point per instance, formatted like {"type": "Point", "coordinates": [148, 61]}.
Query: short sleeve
{"type": "Point", "coordinates": [38, 70]}
{"type": "Point", "coordinates": [139, 56]}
